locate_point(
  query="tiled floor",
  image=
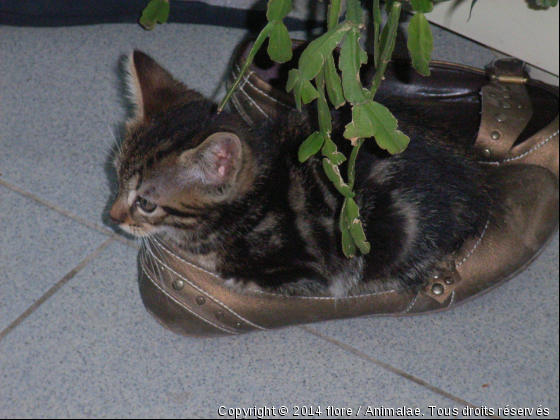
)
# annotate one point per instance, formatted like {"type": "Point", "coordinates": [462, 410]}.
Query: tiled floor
{"type": "Point", "coordinates": [75, 339]}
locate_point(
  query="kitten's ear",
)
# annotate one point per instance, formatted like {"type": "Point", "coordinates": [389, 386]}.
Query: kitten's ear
{"type": "Point", "coordinates": [216, 161]}
{"type": "Point", "coordinates": [152, 88]}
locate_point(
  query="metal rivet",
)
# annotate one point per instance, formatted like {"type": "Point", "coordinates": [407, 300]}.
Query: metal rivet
{"type": "Point", "coordinates": [438, 289]}
{"type": "Point", "coordinates": [501, 117]}
{"type": "Point", "coordinates": [495, 135]}
{"type": "Point", "coordinates": [200, 300]}
{"type": "Point", "coordinates": [505, 88]}
{"type": "Point", "coordinates": [449, 280]}
{"type": "Point", "coordinates": [506, 105]}
{"type": "Point", "coordinates": [178, 284]}
{"type": "Point", "coordinates": [493, 94]}
{"type": "Point", "coordinates": [248, 106]}
{"type": "Point", "coordinates": [219, 316]}
{"type": "Point", "coordinates": [520, 106]}
{"type": "Point", "coordinates": [239, 325]}
{"type": "Point", "coordinates": [487, 153]}
{"type": "Point", "coordinates": [507, 96]}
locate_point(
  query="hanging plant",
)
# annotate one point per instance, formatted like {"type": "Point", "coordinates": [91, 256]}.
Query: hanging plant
{"type": "Point", "coordinates": [320, 77]}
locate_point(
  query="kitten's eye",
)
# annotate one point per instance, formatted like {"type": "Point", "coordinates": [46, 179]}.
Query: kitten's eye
{"type": "Point", "coordinates": [146, 205]}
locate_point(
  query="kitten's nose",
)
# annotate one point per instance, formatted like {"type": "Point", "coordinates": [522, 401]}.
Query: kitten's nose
{"type": "Point", "coordinates": [118, 212]}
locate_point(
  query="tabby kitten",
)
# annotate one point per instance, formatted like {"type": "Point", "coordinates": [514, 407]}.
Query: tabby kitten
{"type": "Point", "coordinates": [237, 202]}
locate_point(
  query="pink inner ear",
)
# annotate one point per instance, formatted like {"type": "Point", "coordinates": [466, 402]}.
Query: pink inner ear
{"type": "Point", "coordinates": [224, 162]}
{"type": "Point", "coordinates": [222, 156]}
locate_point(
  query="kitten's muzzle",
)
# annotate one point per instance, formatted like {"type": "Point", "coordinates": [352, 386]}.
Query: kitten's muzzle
{"type": "Point", "coordinates": [118, 213]}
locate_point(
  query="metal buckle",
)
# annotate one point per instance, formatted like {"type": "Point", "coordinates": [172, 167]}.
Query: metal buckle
{"type": "Point", "coordinates": [442, 284]}
{"type": "Point", "coordinates": [508, 71]}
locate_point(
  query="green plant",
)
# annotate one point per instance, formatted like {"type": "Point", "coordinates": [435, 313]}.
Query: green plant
{"type": "Point", "coordinates": [317, 78]}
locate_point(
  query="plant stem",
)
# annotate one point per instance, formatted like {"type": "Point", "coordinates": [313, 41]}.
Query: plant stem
{"type": "Point", "coordinates": [388, 47]}
{"type": "Point", "coordinates": [256, 47]}
{"type": "Point", "coordinates": [352, 163]}
{"type": "Point", "coordinates": [377, 21]}
{"type": "Point", "coordinates": [334, 14]}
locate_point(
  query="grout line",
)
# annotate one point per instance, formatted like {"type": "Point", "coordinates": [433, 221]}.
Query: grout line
{"type": "Point", "coordinates": [390, 368]}
{"type": "Point", "coordinates": [69, 276]}
{"type": "Point", "coordinates": [66, 213]}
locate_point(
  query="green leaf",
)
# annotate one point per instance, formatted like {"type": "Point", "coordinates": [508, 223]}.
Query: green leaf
{"type": "Point", "coordinates": [309, 93]}
{"type": "Point", "coordinates": [303, 89]}
{"type": "Point", "coordinates": [280, 43]}
{"type": "Point", "coordinates": [422, 6]}
{"type": "Point", "coordinates": [351, 59]}
{"type": "Point", "coordinates": [334, 84]}
{"type": "Point", "coordinates": [354, 12]}
{"type": "Point", "coordinates": [348, 246]}
{"type": "Point", "coordinates": [355, 226]}
{"type": "Point", "coordinates": [156, 11]}
{"type": "Point", "coordinates": [374, 120]}
{"type": "Point", "coordinates": [335, 7]}
{"type": "Point", "coordinates": [352, 209]}
{"type": "Point", "coordinates": [359, 236]}
{"type": "Point", "coordinates": [333, 173]}
{"type": "Point", "coordinates": [331, 152]}
{"type": "Point", "coordinates": [278, 9]}
{"type": "Point", "coordinates": [293, 78]}
{"type": "Point", "coordinates": [420, 43]}
{"type": "Point", "coordinates": [311, 146]}
{"type": "Point", "coordinates": [296, 83]}
{"type": "Point", "coordinates": [316, 53]}
{"type": "Point", "coordinates": [325, 118]}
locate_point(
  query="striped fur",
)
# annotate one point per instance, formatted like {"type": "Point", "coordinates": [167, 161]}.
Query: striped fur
{"type": "Point", "coordinates": [236, 200]}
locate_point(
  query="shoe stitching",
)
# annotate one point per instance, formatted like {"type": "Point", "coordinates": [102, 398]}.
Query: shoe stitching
{"type": "Point", "coordinates": [524, 154]}
{"type": "Point", "coordinates": [245, 81]}
{"type": "Point", "coordinates": [264, 93]}
{"type": "Point", "coordinates": [246, 77]}
{"type": "Point", "coordinates": [184, 306]}
{"type": "Point", "coordinates": [241, 111]}
{"type": "Point", "coordinates": [475, 245]}
{"type": "Point", "coordinates": [255, 104]}
{"type": "Point", "coordinates": [224, 306]}
{"type": "Point", "coordinates": [411, 304]}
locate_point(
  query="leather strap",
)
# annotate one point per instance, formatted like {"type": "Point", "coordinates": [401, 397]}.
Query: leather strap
{"type": "Point", "coordinates": [506, 109]}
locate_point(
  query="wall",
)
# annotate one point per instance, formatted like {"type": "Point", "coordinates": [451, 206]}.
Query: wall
{"type": "Point", "coordinates": [509, 27]}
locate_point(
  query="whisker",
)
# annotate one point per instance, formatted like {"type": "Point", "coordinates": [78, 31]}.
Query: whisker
{"type": "Point", "coordinates": [156, 264]}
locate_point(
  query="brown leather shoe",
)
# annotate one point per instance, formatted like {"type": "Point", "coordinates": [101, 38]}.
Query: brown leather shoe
{"type": "Point", "coordinates": [518, 137]}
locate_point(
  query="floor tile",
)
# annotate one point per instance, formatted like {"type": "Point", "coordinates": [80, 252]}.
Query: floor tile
{"type": "Point", "coordinates": [92, 350]}
{"type": "Point", "coordinates": [62, 100]}
{"type": "Point", "coordinates": [500, 349]}
{"type": "Point", "coordinates": [38, 247]}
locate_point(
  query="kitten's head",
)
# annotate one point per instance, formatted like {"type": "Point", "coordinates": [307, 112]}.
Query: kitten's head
{"type": "Point", "coordinates": [179, 159]}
